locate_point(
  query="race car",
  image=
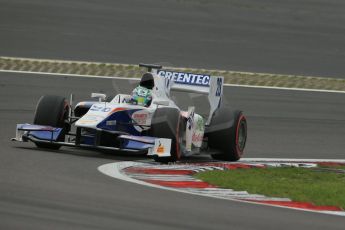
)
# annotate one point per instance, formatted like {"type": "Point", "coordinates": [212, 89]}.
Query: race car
{"type": "Point", "coordinates": [158, 127]}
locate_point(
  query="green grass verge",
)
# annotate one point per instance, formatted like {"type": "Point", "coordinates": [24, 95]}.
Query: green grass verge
{"type": "Point", "coordinates": [298, 184]}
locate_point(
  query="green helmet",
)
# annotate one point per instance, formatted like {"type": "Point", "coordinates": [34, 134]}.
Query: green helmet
{"type": "Point", "coordinates": [141, 96]}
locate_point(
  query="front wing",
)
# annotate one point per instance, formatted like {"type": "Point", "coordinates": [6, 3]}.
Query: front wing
{"type": "Point", "coordinates": [129, 143]}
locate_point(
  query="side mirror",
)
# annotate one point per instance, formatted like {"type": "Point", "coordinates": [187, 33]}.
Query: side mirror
{"type": "Point", "coordinates": [100, 96]}
{"type": "Point", "coordinates": [161, 102]}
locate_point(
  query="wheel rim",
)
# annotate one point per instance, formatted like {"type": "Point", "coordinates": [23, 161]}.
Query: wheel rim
{"type": "Point", "coordinates": [242, 135]}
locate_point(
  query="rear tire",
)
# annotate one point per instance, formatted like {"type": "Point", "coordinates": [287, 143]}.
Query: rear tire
{"type": "Point", "coordinates": [165, 124]}
{"type": "Point", "coordinates": [52, 111]}
{"type": "Point", "coordinates": [227, 134]}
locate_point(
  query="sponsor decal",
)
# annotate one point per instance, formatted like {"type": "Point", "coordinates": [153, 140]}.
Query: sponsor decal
{"type": "Point", "coordinates": [186, 78]}
{"type": "Point", "coordinates": [200, 124]}
{"type": "Point", "coordinates": [111, 122]}
{"type": "Point", "coordinates": [197, 137]}
{"type": "Point", "coordinates": [90, 119]}
{"type": "Point", "coordinates": [86, 122]}
{"type": "Point", "coordinates": [141, 117]}
{"type": "Point", "coordinates": [160, 148]}
{"type": "Point", "coordinates": [198, 133]}
{"type": "Point", "coordinates": [100, 108]}
{"type": "Point", "coordinates": [219, 87]}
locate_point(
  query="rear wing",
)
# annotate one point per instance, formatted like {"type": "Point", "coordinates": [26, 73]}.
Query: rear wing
{"type": "Point", "coordinates": [196, 83]}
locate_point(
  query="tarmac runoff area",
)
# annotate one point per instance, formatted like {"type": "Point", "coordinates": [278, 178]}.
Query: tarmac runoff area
{"type": "Point", "coordinates": [298, 124]}
{"type": "Point", "coordinates": [116, 70]}
{"type": "Point", "coordinates": [63, 190]}
{"type": "Point", "coordinates": [179, 178]}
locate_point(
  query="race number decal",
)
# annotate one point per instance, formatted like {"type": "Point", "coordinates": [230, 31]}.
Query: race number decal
{"type": "Point", "coordinates": [219, 87]}
{"type": "Point", "coordinates": [100, 108]}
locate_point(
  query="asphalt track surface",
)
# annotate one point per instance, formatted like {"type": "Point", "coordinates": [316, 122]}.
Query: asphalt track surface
{"type": "Point", "coordinates": [305, 37]}
{"type": "Point", "coordinates": [63, 189]}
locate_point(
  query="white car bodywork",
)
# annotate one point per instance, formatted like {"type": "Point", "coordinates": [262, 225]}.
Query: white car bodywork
{"type": "Point", "coordinates": [140, 119]}
{"type": "Point", "coordinates": [165, 82]}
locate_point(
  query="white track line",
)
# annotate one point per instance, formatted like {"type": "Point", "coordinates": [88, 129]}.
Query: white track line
{"type": "Point", "coordinates": [290, 160]}
{"type": "Point", "coordinates": [284, 88]}
{"type": "Point", "coordinates": [136, 79]}
{"type": "Point", "coordinates": [68, 75]}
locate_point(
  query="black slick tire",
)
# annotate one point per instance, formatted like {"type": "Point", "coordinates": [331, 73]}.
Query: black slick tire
{"type": "Point", "coordinates": [165, 124]}
{"type": "Point", "coordinates": [227, 134]}
{"type": "Point", "coordinates": [52, 111]}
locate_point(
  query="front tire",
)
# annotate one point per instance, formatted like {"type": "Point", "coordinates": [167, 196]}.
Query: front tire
{"type": "Point", "coordinates": [52, 111]}
{"type": "Point", "coordinates": [228, 134]}
{"type": "Point", "coordinates": [165, 124]}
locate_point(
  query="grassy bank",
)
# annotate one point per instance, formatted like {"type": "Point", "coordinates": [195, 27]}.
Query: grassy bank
{"type": "Point", "coordinates": [298, 184]}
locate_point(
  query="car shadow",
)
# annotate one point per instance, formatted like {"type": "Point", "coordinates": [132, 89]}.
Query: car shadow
{"type": "Point", "coordinates": [111, 155]}
{"type": "Point", "coordinates": [89, 153]}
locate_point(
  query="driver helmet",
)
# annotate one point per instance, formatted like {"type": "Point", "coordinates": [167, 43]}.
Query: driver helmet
{"type": "Point", "coordinates": [142, 95]}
